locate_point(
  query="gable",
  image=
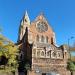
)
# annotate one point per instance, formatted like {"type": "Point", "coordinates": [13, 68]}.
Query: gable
{"type": "Point", "coordinates": [41, 28]}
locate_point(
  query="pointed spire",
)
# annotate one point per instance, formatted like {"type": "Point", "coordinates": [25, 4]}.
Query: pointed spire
{"type": "Point", "coordinates": [26, 18]}
{"type": "Point", "coordinates": [25, 22]}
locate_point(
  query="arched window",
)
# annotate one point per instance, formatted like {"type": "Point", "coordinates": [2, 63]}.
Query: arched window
{"type": "Point", "coordinates": [59, 54]}
{"type": "Point", "coordinates": [46, 39]}
{"type": "Point", "coordinates": [54, 54]}
{"type": "Point", "coordinates": [42, 38]}
{"type": "Point", "coordinates": [42, 53]}
{"type": "Point", "coordinates": [37, 38]}
{"type": "Point", "coordinates": [51, 40]}
{"type": "Point", "coordinates": [38, 53]}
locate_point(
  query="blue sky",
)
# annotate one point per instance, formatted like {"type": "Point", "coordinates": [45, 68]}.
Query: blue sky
{"type": "Point", "coordinates": [59, 13]}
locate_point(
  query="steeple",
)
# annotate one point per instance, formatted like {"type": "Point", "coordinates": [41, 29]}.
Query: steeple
{"type": "Point", "coordinates": [26, 19]}
{"type": "Point", "coordinates": [25, 22]}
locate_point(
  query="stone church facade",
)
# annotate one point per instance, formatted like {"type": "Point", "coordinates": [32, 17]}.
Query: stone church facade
{"type": "Point", "coordinates": [38, 47]}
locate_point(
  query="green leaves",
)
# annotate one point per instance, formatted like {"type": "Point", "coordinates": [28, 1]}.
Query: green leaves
{"type": "Point", "coordinates": [71, 66]}
{"type": "Point", "coordinates": [10, 51]}
{"type": "Point", "coordinates": [27, 66]}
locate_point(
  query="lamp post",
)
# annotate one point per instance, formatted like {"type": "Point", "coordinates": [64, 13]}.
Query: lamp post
{"type": "Point", "coordinates": [69, 46]}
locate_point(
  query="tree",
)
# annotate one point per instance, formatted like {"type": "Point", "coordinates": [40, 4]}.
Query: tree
{"type": "Point", "coordinates": [8, 51]}
{"type": "Point", "coordinates": [71, 66]}
{"type": "Point", "coordinates": [11, 54]}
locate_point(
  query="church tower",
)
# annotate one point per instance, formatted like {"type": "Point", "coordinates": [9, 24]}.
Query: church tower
{"type": "Point", "coordinates": [25, 22]}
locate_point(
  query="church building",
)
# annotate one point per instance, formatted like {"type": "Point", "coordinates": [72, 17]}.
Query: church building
{"type": "Point", "coordinates": [38, 48]}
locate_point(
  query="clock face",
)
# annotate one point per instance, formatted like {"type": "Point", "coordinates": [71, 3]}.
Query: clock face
{"type": "Point", "coordinates": [41, 26]}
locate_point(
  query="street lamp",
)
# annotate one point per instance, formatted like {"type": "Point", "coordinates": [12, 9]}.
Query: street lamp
{"type": "Point", "coordinates": [69, 46]}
